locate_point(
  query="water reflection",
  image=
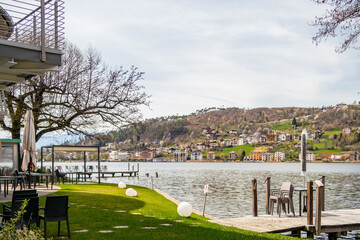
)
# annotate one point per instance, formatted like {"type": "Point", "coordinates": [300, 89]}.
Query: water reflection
{"type": "Point", "coordinates": [230, 183]}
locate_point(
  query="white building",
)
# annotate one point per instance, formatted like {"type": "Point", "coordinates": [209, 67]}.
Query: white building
{"type": "Point", "coordinates": [180, 156]}
{"type": "Point", "coordinates": [242, 141]}
{"type": "Point", "coordinates": [123, 156]}
{"type": "Point", "coordinates": [279, 156]}
{"type": "Point", "coordinates": [266, 157]}
{"type": "Point", "coordinates": [282, 137]}
{"type": "Point", "coordinates": [196, 155]}
{"type": "Point", "coordinates": [310, 156]}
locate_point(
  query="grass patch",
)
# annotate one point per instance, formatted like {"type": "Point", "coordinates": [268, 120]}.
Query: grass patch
{"type": "Point", "coordinates": [327, 144]}
{"type": "Point", "coordinates": [248, 148]}
{"type": "Point", "coordinates": [283, 126]}
{"type": "Point", "coordinates": [334, 131]}
{"type": "Point", "coordinates": [102, 207]}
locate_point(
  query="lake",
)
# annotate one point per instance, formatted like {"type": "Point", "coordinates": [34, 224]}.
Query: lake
{"type": "Point", "coordinates": [230, 183]}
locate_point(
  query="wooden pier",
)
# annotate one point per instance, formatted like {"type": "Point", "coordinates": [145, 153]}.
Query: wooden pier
{"type": "Point", "coordinates": [332, 222]}
{"type": "Point", "coordinates": [122, 173]}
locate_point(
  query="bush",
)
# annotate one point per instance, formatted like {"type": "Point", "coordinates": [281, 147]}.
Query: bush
{"type": "Point", "coordinates": [10, 232]}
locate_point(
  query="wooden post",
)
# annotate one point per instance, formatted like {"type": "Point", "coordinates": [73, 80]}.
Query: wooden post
{"type": "Point", "coordinates": [254, 193]}
{"type": "Point", "coordinates": [267, 192]}
{"type": "Point", "coordinates": [322, 179]}
{"type": "Point", "coordinates": [310, 207]}
{"type": "Point", "coordinates": [318, 200]}
{"type": "Point", "coordinates": [204, 204]}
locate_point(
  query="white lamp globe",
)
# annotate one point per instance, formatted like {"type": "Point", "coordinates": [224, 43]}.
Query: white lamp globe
{"type": "Point", "coordinates": [184, 209]}
{"type": "Point", "coordinates": [122, 185]}
{"type": "Point", "coordinates": [131, 192]}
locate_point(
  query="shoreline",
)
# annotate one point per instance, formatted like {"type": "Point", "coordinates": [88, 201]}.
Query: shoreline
{"type": "Point", "coordinates": [203, 161]}
{"type": "Point", "coordinates": [177, 202]}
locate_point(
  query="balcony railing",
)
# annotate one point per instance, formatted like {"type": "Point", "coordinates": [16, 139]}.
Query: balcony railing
{"type": "Point", "coordinates": [33, 22]}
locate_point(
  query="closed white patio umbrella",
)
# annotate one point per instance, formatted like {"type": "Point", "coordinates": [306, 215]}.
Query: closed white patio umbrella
{"type": "Point", "coordinates": [29, 142]}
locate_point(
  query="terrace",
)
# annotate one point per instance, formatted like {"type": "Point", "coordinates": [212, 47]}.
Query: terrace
{"type": "Point", "coordinates": [31, 39]}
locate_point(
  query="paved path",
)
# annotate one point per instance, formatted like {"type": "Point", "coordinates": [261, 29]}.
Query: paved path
{"type": "Point", "coordinates": [41, 190]}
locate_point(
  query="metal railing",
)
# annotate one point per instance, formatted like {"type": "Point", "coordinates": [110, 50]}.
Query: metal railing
{"type": "Point", "coordinates": [34, 22]}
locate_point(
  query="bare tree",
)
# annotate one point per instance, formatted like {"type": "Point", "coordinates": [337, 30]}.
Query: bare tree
{"type": "Point", "coordinates": [84, 96]}
{"type": "Point", "coordinates": [343, 18]}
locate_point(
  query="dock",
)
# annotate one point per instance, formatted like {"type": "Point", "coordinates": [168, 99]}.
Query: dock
{"type": "Point", "coordinates": [332, 222]}
{"type": "Point", "coordinates": [122, 173]}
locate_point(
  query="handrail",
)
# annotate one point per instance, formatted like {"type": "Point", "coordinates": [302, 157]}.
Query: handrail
{"type": "Point", "coordinates": [31, 13]}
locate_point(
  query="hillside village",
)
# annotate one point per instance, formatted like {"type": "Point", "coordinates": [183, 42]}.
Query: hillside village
{"type": "Point", "coordinates": [250, 148]}
{"type": "Point", "coordinates": [254, 135]}
{"type": "Point", "coordinates": [276, 141]}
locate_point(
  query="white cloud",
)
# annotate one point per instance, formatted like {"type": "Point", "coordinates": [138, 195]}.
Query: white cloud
{"type": "Point", "coordinates": [211, 53]}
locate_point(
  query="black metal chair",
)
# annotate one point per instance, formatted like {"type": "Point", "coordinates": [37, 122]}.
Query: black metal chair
{"type": "Point", "coordinates": [56, 210]}
{"type": "Point", "coordinates": [31, 214]}
{"type": "Point", "coordinates": [32, 211]}
{"type": "Point", "coordinates": [59, 175]}
{"type": "Point", "coordinates": [17, 195]}
{"type": "Point", "coordinates": [19, 180]}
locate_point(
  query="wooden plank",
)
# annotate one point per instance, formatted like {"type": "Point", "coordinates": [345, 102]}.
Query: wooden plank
{"type": "Point", "coordinates": [309, 204]}
{"type": "Point", "coordinates": [267, 193]}
{"type": "Point", "coordinates": [318, 204]}
{"type": "Point", "coordinates": [331, 221]}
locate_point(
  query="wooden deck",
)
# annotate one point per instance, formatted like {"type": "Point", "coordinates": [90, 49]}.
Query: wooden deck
{"type": "Point", "coordinates": [122, 173]}
{"type": "Point", "coordinates": [331, 222]}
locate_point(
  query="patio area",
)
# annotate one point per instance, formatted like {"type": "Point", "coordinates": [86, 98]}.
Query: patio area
{"type": "Point", "coordinates": [40, 189]}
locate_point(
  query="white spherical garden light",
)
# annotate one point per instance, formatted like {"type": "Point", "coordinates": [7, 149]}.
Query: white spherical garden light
{"type": "Point", "coordinates": [184, 209]}
{"type": "Point", "coordinates": [131, 192]}
{"type": "Point", "coordinates": [122, 185]}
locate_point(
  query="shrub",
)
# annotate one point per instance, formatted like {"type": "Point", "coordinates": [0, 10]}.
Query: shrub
{"type": "Point", "coordinates": [10, 232]}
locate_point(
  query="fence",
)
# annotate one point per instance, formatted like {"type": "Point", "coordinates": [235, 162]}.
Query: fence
{"type": "Point", "coordinates": [33, 22]}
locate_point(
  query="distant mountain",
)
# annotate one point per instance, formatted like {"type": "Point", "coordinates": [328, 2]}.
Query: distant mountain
{"type": "Point", "coordinates": [174, 130]}
{"type": "Point", "coordinates": [56, 140]}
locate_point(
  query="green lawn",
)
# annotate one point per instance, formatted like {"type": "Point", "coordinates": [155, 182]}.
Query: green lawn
{"type": "Point", "coordinates": [96, 207]}
{"type": "Point", "coordinates": [332, 132]}
{"type": "Point", "coordinates": [327, 144]}
{"type": "Point", "coordinates": [248, 148]}
{"type": "Point", "coordinates": [283, 126]}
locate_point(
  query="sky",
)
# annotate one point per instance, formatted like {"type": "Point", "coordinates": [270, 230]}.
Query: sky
{"type": "Point", "coordinates": [218, 53]}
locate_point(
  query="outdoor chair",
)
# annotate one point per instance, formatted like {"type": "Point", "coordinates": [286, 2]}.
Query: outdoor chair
{"type": "Point", "coordinates": [281, 197]}
{"type": "Point", "coordinates": [15, 207]}
{"type": "Point", "coordinates": [17, 195]}
{"type": "Point", "coordinates": [32, 211]}
{"type": "Point", "coordinates": [287, 197]}
{"type": "Point", "coordinates": [20, 181]}
{"type": "Point", "coordinates": [56, 210]}
{"type": "Point", "coordinates": [31, 214]}
{"type": "Point", "coordinates": [59, 176]}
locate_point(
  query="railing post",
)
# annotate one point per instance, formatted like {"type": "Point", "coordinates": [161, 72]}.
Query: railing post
{"type": "Point", "coordinates": [34, 29]}
{"type": "Point", "coordinates": [267, 192]}
{"type": "Point", "coordinates": [322, 179]}
{"type": "Point", "coordinates": [43, 52]}
{"type": "Point", "coordinates": [85, 165]}
{"type": "Point", "coordinates": [56, 24]}
{"type": "Point", "coordinates": [318, 200]}
{"type": "Point", "coordinates": [310, 207]}
{"type": "Point", "coordinates": [254, 194]}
